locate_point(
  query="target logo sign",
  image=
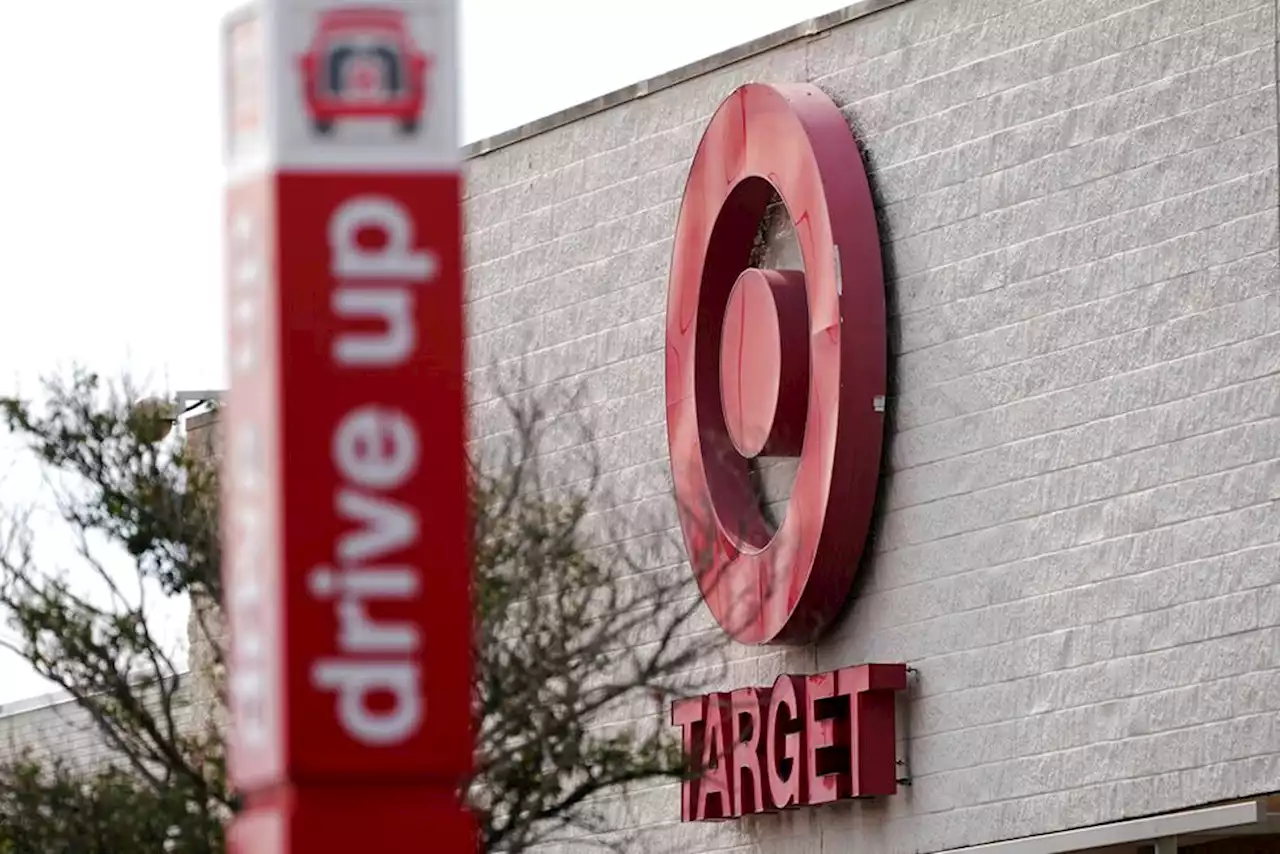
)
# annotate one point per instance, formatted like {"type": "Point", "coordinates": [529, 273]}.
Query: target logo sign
{"type": "Point", "coordinates": [776, 363]}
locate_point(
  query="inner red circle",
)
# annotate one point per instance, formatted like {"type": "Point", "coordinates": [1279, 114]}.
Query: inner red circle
{"type": "Point", "coordinates": [750, 362]}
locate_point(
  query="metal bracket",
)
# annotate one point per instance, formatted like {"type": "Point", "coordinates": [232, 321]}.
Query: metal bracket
{"type": "Point", "coordinates": [904, 764]}
{"type": "Point", "coordinates": [186, 401]}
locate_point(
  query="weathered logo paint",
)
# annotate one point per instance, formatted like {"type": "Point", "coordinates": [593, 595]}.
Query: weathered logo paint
{"type": "Point", "coordinates": [779, 362]}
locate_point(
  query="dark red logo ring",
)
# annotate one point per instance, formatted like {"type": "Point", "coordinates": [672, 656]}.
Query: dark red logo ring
{"type": "Point", "coordinates": [776, 362]}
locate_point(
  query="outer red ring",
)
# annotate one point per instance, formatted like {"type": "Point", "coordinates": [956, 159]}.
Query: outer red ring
{"type": "Point", "coordinates": [788, 587]}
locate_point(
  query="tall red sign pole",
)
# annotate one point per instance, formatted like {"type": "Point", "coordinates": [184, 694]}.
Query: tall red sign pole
{"type": "Point", "coordinates": [347, 562]}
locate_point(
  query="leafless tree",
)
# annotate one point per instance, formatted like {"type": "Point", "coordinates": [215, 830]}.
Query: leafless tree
{"type": "Point", "coordinates": [579, 650]}
{"type": "Point", "coordinates": [584, 632]}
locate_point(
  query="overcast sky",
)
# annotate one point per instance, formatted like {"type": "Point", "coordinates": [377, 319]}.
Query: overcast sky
{"type": "Point", "coordinates": [110, 172]}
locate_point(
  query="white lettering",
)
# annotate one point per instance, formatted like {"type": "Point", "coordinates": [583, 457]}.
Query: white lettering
{"type": "Point", "coordinates": [245, 260]}
{"type": "Point", "coordinates": [386, 526]}
{"type": "Point", "coordinates": [357, 630]}
{"type": "Point", "coordinates": [249, 686]}
{"type": "Point", "coordinates": [376, 447]}
{"type": "Point", "coordinates": [375, 450]}
{"type": "Point", "coordinates": [374, 582]}
{"type": "Point", "coordinates": [393, 345]}
{"type": "Point", "coordinates": [359, 297]}
{"type": "Point", "coordinates": [356, 681]}
{"type": "Point", "coordinates": [248, 683]}
{"type": "Point", "coordinates": [395, 259]}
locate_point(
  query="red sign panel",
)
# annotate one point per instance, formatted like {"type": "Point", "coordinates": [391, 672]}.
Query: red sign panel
{"type": "Point", "coordinates": [776, 362]}
{"type": "Point", "coordinates": [806, 740]}
{"type": "Point", "coordinates": [350, 819]}
{"type": "Point", "coordinates": [375, 471]}
{"type": "Point", "coordinates": [361, 374]}
{"type": "Point", "coordinates": [346, 508]}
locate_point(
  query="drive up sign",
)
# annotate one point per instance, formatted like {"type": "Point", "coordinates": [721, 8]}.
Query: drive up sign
{"type": "Point", "coordinates": [345, 509]}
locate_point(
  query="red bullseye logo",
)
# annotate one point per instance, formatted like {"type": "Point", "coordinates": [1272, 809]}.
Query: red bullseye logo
{"type": "Point", "coordinates": [777, 363]}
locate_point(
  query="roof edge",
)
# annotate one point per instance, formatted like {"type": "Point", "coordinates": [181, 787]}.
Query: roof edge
{"type": "Point", "coordinates": [715, 62]}
{"type": "Point", "coordinates": [52, 699]}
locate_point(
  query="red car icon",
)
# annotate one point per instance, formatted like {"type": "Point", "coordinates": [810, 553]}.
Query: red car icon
{"type": "Point", "coordinates": [363, 64]}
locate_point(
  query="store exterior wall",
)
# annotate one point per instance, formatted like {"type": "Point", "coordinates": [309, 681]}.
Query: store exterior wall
{"type": "Point", "coordinates": [52, 726]}
{"type": "Point", "coordinates": [1079, 543]}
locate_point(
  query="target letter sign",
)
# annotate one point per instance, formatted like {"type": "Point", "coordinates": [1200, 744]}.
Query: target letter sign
{"type": "Point", "coordinates": [779, 363]}
{"type": "Point", "coordinates": [804, 741]}
{"type": "Point", "coordinates": [345, 509]}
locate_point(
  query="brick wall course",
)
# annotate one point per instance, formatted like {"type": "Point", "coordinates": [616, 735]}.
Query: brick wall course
{"type": "Point", "coordinates": [60, 728]}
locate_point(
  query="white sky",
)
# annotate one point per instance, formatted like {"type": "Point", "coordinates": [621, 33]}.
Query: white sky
{"type": "Point", "coordinates": [110, 172]}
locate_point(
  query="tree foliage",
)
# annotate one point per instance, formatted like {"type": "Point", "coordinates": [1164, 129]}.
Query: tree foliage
{"type": "Point", "coordinates": [54, 808]}
{"type": "Point", "coordinates": [580, 642]}
{"type": "Point", "coordinates": [118, 481]}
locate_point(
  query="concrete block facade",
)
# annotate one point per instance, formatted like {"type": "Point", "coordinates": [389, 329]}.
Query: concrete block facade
{"type": "Point", "coordinates": [1080, 543]}
{"type": "Point", "coordinates": [1079, 549]}
{"type": "Point", "coordinates": [55, 726]}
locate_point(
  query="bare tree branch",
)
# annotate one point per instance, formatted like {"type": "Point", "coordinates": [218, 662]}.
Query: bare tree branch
{"type": "Point", "coordinates": [568, 636]}
{"type": "Point", "coordinates": [119, 480]}
{"type": "Point", "coordinates": [584, 628]}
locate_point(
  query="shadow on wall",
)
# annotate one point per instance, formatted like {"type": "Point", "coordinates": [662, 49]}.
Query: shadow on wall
{"type": "Point", "coordinates": [893, 327]}
{"type": "Point", "coordinates": [777, 247]}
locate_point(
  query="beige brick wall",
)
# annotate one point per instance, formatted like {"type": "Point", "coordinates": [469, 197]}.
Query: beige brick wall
{"type": "Point", "coordinates": [205, 626]}
{"type": "Point", "coordinates": [55, 726]}
{"type": "Point", "coordinates": [47, 727]}
{"type": "Point", "coordinates": [1079, 549]}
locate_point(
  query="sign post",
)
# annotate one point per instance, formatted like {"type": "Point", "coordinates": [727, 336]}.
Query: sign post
{"type": "Point", "coordinates": [346, 529]}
